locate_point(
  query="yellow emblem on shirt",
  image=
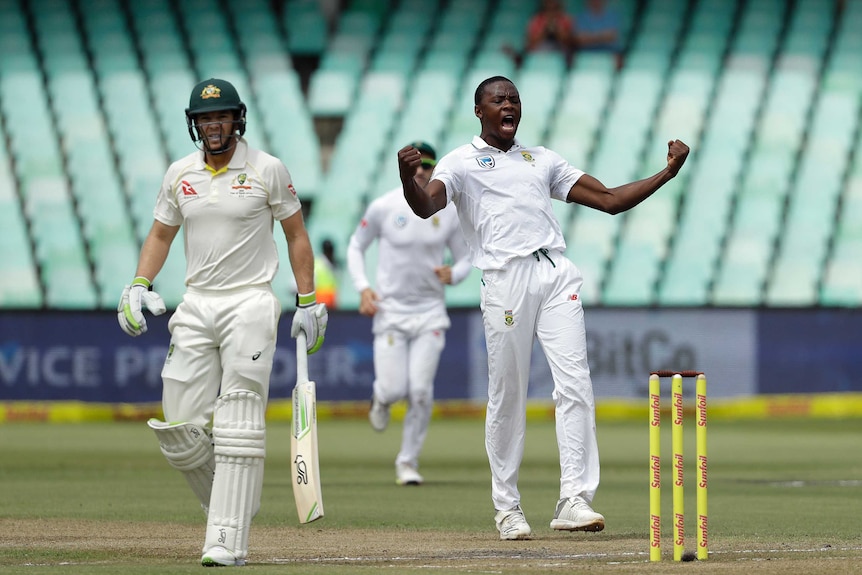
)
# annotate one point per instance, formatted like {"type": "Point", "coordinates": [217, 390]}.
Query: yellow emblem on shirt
{"type": "Point", "coordinates": [527, 157]}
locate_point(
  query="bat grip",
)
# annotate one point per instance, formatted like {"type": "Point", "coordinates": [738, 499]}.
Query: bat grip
{"type": "Point", "coordinates": [301, 358]}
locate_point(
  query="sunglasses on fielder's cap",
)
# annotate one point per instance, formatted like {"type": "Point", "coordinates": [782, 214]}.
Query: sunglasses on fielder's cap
{"type": "Point", "coordinates": [428, 163]}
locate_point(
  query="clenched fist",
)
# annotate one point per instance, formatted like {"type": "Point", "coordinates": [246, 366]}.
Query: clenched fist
{"type": "Point", "coordinates": [677, 152]}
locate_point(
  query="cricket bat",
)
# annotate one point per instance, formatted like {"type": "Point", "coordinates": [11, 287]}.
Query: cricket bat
{"type": "Point", "coordinates": [303, 441]}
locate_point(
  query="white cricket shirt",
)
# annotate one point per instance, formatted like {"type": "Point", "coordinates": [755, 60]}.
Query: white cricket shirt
{"type": "Point", "coordinates": [228, 216]}
{"type": "Point", "coordinates": [409, 249]}
{"type": "Point", "coordinates": [504, 198]}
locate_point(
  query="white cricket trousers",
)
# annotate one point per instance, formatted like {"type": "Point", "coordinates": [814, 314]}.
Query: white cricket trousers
{"type": "Point", "coordinates": [220, 342]}
{"type": "Point", "coordinates": [407, 352]}
{"type": "Point", "coordinates": [538, 295]}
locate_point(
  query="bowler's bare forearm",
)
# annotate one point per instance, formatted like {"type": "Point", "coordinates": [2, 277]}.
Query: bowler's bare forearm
{"type": "Point", "coordinates": [588, 191]}
{"type": "Point", "coordinates": [423, 201]}
{"type": "Point", "coordinates": [616, 200]}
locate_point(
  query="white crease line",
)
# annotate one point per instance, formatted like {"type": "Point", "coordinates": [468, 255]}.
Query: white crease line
{"type": "Point", "coordinates": [552, 557]}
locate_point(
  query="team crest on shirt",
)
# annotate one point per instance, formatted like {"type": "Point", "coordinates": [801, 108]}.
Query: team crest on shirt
{"type": "Point", "coordinates": [239, 183]}
{"type": "Point", "coordinates": [170, 353]}
{"type": "Point", "coordinates": [400, 221]}
{"type": "Point", "coordinates": [486, 162]}
{"type": "Point", "coordinates": [528, 157]}
{"type": "Point", "coordinates": [508, 318]}
{"type": "Point", "coordinates": [435, 221]}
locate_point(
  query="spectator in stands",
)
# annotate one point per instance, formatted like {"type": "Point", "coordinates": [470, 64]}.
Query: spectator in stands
{"type": "Point", "coordinates": [223, 334]}
{"type": "Point", "coordinates": [326, 275]}
{"type": "Point", "coordinates": [550, 28]}
{"type": "Point", "coordinates": [408, 307]}
{"type": "Point", "coordinates": [502, 192]}
{"type": "Point", "coordinates": [597, 28]}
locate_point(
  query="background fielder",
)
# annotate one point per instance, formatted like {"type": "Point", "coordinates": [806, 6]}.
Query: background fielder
{"type": "Point", "coordinates": [223, 334]}
{"type": "Point", "coordinates": [408, 307]}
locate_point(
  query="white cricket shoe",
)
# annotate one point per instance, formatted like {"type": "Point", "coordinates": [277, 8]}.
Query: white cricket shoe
{"type": "Point", "coordinates": [220, 557]}
{"type": "Point", "coordinates": [512, 524]}
{"type": "Point", "coordinates": [379, 415]}
{"type": "Point", "coordinates": [407, 475]}
{"type": "Point", "coordinates": [575, 514]}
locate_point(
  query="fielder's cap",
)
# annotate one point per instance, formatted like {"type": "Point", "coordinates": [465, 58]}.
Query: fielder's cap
{"type": "Point", "coordinates": [213, 95]}
{"type": "Point", "coordinates": [424, 148]}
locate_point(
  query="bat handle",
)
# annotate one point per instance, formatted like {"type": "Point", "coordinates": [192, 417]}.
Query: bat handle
{"type": "Point", "coordinates": [301, 358]}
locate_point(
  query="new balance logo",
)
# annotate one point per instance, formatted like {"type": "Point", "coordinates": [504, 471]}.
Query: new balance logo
{"type": "Point", "coordinates": [573, 297]}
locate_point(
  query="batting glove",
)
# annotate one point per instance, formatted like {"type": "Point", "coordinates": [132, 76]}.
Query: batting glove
{"type": "Point", "coordinates": [310, 317]}
{"type": "Point", "coordinates": [129, 311]}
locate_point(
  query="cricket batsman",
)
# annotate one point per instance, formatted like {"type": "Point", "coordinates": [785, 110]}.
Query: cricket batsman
{"type": "Point", "coordinates": [226, 196]}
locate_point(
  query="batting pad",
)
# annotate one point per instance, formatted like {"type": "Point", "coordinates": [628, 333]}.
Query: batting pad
{"type": "Point", "coordinates": [189, 449]}
{"type": "Point", "coordinates": [239, 435]}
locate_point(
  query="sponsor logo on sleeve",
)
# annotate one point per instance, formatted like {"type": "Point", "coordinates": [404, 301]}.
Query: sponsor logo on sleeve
{"type": "Point", "coordinates": [187, 189]}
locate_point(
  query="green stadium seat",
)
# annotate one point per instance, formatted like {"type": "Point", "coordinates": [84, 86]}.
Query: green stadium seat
{"type": "Point", "coordinates": [159, 39]}
{"type": "Point", "coordinates": [810, 25]}
{"type": "Point", "coordinates": [617, 157]}
{"type": "Point", "coordinates": [742, 272]}
{"type": "Point", "coordinates": [632, 275]}
{"type": "Point", "coordinates": [171, 281]}
{"type": "Point", "coordinates": [792, 284]}
{"type": "Point", "coordinates": [842, 280]}
{"type": "Point", "coordinates": [281, 104]}
{"type": "Point", "coordinates": [170, 90]}
{"type": "Point", "coordinates": [109, 38]}
{"type": "Point", "coordinates": [688, 271]}
{"type": "Point", "coordinates": [506, 28]}
{"type": "Point", "coordinates": [19, 283]}
{"type": "Point", "coordinates": [331, 92]}
{"type": "Point", "coordinates": [445, 59]}
{"type": "Point", "coordinates": [585, 90]}
{"type": "Point", "coordinates": [427, 103]}
{"type": "Point", "coordinates": [539, 89]}
{"type": "Point", "coordinates": [464, 17]}
{"type": "Point", "coordinates": [306, 27]}
{"type": "Point", "coordinates": [590, 239]}
{"type": "Point", "coordinates": [492, 63]}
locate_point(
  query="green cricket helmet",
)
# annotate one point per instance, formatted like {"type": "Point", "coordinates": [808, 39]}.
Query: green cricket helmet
{"type": "Point", "coordinates": [214, 95]}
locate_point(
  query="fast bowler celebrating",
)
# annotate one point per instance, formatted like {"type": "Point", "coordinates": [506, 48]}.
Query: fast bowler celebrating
{"type": "Point", "coordinates": [503, 191]}
{"type": "Point", "coordinates": [216, 375]}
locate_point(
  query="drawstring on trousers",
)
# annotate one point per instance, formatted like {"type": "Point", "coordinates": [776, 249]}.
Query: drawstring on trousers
{"type": "Point", "coordinates": [544, 252]}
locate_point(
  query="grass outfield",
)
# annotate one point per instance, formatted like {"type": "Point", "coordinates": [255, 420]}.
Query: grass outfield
{"type": "Point", "coordinates": [785, 497]}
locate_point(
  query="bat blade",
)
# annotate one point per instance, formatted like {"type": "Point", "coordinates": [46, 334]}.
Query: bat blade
{"type": "Point", "coordinates": [305, 463]}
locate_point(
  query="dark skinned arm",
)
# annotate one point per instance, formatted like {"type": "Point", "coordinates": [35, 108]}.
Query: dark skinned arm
{"type": "Point", "coordinates": [423, 201]}
{"type": "Point", "coordinates": [588, 191]}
